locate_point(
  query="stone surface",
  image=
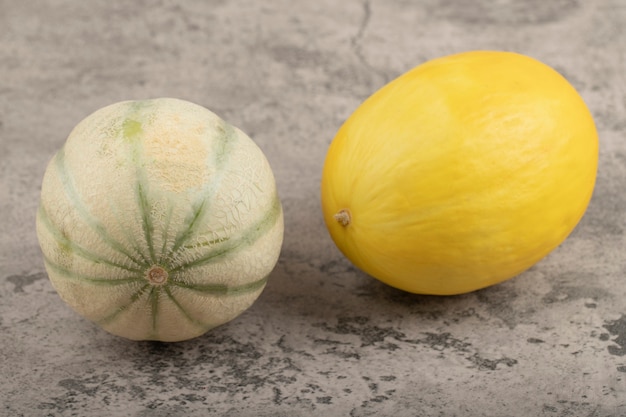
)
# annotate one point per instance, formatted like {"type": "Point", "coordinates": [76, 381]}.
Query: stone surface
{"type": "Point", "coordinates": [324, 338]}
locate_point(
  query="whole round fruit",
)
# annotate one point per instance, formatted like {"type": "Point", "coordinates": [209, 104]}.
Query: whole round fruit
{"type": "Point", "coordinates": [158, 220]}
{"type": "Point", "coordinates": [461, 173]}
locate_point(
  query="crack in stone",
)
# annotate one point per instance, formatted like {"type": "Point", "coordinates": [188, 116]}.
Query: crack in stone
{"type": "Point", "coordinates": [367, 14]}
{"type": "Point", "coordinates": [358, 37]}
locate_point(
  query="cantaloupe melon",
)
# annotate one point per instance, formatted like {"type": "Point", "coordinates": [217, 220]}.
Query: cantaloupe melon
{"type": "Point", "coordinates": [158, 220]}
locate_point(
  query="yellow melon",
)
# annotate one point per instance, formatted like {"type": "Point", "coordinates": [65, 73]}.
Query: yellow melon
{"type": "Point", "coordinates": [461, 173]}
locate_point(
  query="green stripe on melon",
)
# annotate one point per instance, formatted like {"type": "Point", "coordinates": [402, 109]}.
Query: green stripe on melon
{"type": "Point", "coordinates": [158, 220]}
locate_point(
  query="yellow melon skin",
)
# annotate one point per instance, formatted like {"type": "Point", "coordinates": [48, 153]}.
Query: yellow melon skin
{"type": "Point", "coordinates": [461, 173]}
{"type": "Point", "coordinates": [158, 220]}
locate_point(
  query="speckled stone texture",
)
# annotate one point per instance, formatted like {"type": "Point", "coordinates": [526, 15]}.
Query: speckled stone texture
{"type": "Point", "coordinates": [323, 338]}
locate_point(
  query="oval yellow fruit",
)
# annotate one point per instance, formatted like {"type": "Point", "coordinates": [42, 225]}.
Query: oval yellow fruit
{"type": "Point", "coordinates": [461, 173]}
{"type": "Point", "coordinates": [158, 220]}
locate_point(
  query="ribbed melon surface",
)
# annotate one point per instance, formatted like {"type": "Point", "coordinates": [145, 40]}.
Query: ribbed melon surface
{"type": "Point", "coordinates": [158, 220]}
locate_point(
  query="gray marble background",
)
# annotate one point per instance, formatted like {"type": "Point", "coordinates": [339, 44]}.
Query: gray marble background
{"type": "Point", "coordinates": [323, 338]}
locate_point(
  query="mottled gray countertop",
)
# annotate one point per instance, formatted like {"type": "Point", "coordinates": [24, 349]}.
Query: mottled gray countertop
{"type": "Point", "coordinates": [323, 338]}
